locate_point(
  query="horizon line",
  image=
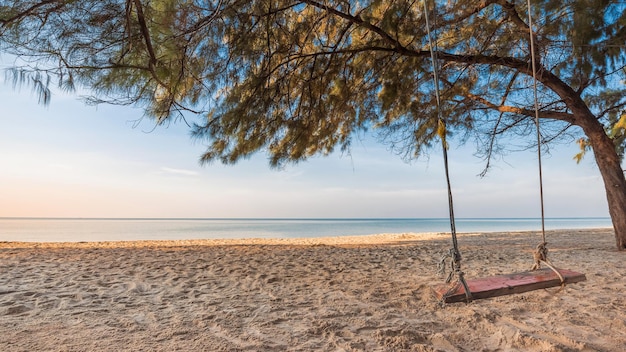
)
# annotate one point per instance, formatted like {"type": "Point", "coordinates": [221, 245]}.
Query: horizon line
{"type": "Point", "coordinates": [293, 218]}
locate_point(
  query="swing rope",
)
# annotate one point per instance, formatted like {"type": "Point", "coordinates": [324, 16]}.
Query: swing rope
{"type": "Point", "coordinates": [454, 254]}
{"type": "Point", "coordinates": [541, 252]}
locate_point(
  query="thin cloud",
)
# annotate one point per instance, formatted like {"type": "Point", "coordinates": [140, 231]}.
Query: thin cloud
{"type": "Point", "coordinates": [181, 172]}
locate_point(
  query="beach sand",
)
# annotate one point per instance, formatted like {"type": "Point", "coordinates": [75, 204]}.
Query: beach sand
{"type": "Point", "coordinates": [369, 293]}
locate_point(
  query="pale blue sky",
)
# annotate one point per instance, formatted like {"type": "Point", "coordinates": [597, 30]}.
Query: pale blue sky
{"type": "Point", "coordinates": [73, 160]}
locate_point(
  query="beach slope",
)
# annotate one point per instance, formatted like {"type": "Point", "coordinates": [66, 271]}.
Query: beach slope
{"type": "Point", "coordinates": [369, 293]}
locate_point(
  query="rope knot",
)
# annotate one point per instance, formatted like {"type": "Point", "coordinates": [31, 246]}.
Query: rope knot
{"type": "Point", "coordinates": [455, 264]}
{"type": "Point", "coordinates": [540, 255]}
{"type": "Point", "coordinates": [455, 270]}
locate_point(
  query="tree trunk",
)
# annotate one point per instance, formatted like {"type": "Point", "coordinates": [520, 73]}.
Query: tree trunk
{"type": "Point", "coordinates": [611, 170]}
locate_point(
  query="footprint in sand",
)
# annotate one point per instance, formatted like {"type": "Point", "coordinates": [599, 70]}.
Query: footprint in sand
{"type": "Point", "coordinates": [17, 310]}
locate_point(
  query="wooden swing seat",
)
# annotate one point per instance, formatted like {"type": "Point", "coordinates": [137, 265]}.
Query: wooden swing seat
{"type": "Point", "coordinates": [506, 284]}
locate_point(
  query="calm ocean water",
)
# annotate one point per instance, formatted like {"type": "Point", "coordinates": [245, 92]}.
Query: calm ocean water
{"type": "Point", "coordinates": [74, 230]}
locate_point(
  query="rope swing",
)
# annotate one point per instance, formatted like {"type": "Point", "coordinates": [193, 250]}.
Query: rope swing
{"type": "Point", "coordinates": [461, 289]}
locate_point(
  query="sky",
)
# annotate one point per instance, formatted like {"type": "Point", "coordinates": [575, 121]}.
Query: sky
{"type": "Point", "coordinates": [69, 159]}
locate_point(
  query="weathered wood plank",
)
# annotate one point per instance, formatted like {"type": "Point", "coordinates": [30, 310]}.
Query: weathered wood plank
{"type": "Point", "coordinates": [506, 284]}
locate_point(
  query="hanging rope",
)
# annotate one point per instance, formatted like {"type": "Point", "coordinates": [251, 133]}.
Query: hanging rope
{"type": "Point", "coordinates": [542, 250]}
{"type": "Point", "coordinates": [454, 254]}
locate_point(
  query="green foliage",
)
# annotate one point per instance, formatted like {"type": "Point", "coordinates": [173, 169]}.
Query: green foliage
{"type": "Point", "coordinates": [299, 78]}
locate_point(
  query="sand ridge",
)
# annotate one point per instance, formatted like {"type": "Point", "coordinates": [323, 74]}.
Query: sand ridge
{"type": "Point", "coordinates": [368, 293]}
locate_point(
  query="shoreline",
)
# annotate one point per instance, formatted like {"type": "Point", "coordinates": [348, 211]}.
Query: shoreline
{"type": "Point", "coordinates": [80, 230]}
{"type": "Point", "coordinates": [325, 240]}
{"type": "Point", "coordinates": [363, 293]}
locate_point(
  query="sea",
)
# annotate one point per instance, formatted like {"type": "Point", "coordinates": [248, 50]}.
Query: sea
{"type": "Point", "coordinates": [97, 229]}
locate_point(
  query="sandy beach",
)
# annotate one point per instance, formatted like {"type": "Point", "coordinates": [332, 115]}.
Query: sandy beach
{"type": "Point", "coordinates": [369, 293]}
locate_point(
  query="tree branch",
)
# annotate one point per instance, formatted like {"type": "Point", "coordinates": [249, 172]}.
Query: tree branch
{"type": "Point", "coordinates": [359, 21]}
{"type": "Point", "coordinates": [555, 115]}
{"type": "Point", "coordinates": [608, 110]}
{"type": "Point", "coordinates": [493, 134]}
{"type": "Point", "coordinates": [145, 33]}
{"type": "Point", "coordinates": [29, 11]}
